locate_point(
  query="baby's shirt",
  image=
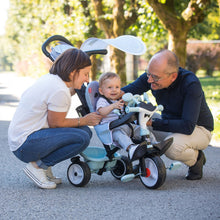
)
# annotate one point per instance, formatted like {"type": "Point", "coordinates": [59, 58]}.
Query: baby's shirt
{"type": "Point", "coordinates": [102, 102]}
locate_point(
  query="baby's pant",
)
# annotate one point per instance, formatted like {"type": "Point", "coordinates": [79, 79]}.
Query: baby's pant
{"type": "Point", "coordinates": [122, 135]}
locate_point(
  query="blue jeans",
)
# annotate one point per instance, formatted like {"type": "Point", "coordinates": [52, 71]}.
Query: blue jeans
{"type": "Point", "coordinates": [50, 146]}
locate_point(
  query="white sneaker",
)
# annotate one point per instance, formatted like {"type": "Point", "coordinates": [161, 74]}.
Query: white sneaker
{"type": "Point", "coordinates": [39, 177]}
{"type": "Point", "coordinates": [51, 177]}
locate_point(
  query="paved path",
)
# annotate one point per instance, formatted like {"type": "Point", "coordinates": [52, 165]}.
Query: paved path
{"type": "Point", "coordinates": [103, 197]}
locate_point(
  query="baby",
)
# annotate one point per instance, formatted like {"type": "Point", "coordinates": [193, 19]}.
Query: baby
{"type": "Point", "coordinates": [110, 90]}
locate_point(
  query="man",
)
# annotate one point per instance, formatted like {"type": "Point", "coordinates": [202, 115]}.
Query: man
{"type": "Point", "coordinates": [186, 116]}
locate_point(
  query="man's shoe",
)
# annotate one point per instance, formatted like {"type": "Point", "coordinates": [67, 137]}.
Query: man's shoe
{"type": "Point", "coordinates": [51, 177]}
{"type": "Point", "coordinates": [137, 151]}
{"type": "Point", "coordinates": [39, 177]}
{"type": "Point", "coordinates": [195, 172]}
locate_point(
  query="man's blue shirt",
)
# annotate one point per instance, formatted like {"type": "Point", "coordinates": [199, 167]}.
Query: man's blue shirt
{"type": "Point", "coordinates": [183, 101]}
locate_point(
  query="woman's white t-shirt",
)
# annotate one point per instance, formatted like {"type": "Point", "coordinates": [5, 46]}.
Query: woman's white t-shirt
{"type": "Point", "coordinates": [47, 93]}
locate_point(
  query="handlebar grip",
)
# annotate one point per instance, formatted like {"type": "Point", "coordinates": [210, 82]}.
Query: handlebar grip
{"type": "Point", "coordinates": [131, 109]}
{"type": "Point", "coordinates": [127, 97]}
{"type": "Point", "coordinates": [160, 108]}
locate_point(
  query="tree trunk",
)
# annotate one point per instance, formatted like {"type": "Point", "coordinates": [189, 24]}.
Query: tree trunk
{"type": "Point", "coordinates": [92, 32]}
{"type": "Point", "coordinates": [118, 64]}
{"type": "Point", "coordinates": [177, 44]}
{"type": "Point", "coordinates": [94, 68]}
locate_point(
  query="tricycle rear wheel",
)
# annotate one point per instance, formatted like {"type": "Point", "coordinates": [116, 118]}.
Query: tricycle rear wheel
{"type": "Point", "coordinates": [123, 166]}
{"type": "Point", "coordinates": [78, 173]}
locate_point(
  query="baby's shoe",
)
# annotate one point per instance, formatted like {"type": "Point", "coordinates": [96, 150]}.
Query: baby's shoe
{"type": "Point", "coordinates": [137, 151]}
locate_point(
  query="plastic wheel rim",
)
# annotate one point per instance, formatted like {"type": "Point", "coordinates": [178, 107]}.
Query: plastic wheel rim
{"type": "Point", "coordinates": [152, 173]}
{"type": "Point", "coordinates": [76, 174]}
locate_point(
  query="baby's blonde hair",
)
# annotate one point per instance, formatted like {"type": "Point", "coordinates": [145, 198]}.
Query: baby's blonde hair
{"type": "Point", "coordinates": [108, 75]}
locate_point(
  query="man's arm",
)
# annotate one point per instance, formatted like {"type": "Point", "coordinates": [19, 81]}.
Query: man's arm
{"type": "Point", "coordinates": [139, 86]}
{"type": "Point", "coordinates": [190, 113]}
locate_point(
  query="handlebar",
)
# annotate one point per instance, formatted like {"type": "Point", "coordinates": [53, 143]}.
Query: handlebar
{"type": "Point", "coordinates": [138, 109]}
{"type": "Point", "coordinates": [136, 99]}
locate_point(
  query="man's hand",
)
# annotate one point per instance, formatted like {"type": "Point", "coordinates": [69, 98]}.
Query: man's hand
{"type": "Point", "coordinates": [149, 123]}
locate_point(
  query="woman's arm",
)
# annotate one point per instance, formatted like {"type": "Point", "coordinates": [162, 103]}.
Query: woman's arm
{"type": "Point", "coordinates": [58, 120]}
{"type": "Point", "coordinates": [139, 86]}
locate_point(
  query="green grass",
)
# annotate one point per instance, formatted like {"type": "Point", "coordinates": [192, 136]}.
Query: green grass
{"type": "Point", "coordinates": [211, 87]}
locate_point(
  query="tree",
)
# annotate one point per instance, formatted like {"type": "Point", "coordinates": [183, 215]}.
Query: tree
{"type": "Point", "coordinates": [114, 18]}
{"type": "Point", "coordinates": [31, 22]}
{"type": "Point", "coordinates": [92, 31]}
{"type": "Point", "coordinates": [178, 17]}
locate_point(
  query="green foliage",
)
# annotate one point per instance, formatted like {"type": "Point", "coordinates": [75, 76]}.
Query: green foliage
{"type": "Point", "coordinates": [210, 27]}
{"type": "Point", "coordinates": [150, 29]}
{"type": "Point", "coordinates": [212, 89]}
{"type": "Point", "coordinates": [30, 22]}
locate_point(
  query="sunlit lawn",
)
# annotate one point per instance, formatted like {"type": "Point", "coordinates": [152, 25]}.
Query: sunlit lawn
{"type": "Point", "coordinates": [211, 87]}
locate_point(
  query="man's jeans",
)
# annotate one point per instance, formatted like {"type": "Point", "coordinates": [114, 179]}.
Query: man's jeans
{"type": "Point", "coordinates": [50, 146]}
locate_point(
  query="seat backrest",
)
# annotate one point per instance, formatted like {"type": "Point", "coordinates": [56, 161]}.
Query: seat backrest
{"type": "Point", "coordinates": [92, 95]}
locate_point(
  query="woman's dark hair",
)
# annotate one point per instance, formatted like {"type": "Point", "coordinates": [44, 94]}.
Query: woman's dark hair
{"type": "Point", "coordinates": [69, 61]}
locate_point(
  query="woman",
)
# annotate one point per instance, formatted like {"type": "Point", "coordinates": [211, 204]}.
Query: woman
{"type": "Point", "coordinates": [39, 133]}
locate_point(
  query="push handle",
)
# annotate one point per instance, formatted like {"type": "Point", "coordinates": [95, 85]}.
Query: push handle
{"type": "Point", "coordinates": [63, 39]}
{"type": "Point", "coordinates": [51, 39]}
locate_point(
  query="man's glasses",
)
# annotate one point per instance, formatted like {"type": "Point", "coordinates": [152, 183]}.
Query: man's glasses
{"type": "Point", "coordinates": [154, 77]}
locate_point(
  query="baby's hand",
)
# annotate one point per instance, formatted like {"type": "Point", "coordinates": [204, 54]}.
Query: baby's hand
{"type": "Point", "coordinates": [119, 104]}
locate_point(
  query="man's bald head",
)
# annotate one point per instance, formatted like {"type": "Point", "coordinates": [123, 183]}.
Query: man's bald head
{"type": "Point", "coordinates": [165, 59]}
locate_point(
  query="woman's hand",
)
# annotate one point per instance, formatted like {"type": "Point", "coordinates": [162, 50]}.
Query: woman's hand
{"type": "Point", "coordinates": [91, 119]}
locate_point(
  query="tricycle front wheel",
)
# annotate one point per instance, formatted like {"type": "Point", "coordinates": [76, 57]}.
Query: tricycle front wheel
{"type": "Point", "coordinates": [155, 172]}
